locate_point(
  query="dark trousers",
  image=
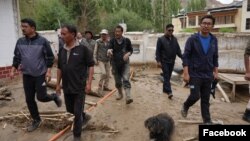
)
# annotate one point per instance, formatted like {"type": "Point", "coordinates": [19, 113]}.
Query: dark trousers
{"type": "Point", "coordinates": [200, 89]}
{"type": "Point", "coordinates": [35, 85]}
{"type": "Point", "coordinates": [121, 74]}
{"type": "Point", "coordinates": [75, 105]}
{"type": "Point", "coordinates": [167, 69]}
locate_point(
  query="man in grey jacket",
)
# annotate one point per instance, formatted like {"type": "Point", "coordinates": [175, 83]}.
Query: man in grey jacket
{"type": "Point", "coordinates": [34, 57]}
{"type": "Point", "coordinates": [102, 60]}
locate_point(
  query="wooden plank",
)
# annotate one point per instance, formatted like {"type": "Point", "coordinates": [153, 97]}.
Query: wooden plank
{"type": "Point", "coordinates": [223, 93]}
{"type": "Point", "coordinates": [233, 78]}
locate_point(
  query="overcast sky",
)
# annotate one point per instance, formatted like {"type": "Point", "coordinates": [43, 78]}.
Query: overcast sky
{"type": "Point", "coordinates": [225, 1]}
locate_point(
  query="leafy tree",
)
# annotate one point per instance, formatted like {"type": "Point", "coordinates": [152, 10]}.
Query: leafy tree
{"type": "Point", "coordinates": [134, 21]}
{"type": "Point", "coordinates": [196, 5]}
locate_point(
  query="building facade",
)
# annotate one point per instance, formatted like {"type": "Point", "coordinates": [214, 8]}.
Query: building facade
{"type": "Point", "coordinates": [235, 16]}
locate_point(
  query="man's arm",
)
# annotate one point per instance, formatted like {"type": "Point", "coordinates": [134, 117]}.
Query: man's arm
{"type": "Point", "coordinates": [186, 60]}
{"type": "Point", "coordinates": [158, 53]}
{"type": "Point", "coordinates": [95, 53]}
{"type": "Point", "coordinates": [246, 61]}
{"type": "Point", "coordinates": [49, 57]}
{"type": "Point", "coordinates": [90, 64]}
{"type": "Point", "coordinates": [215, 59]}
{"type": "Point", "coordinates": [178, 49]}
{"type": "Point", "coordinates": [16, 61]}
{"type": "Point", "coordinates": [129, 49]}
{"type": "Point", "coordinates": [59, 74]}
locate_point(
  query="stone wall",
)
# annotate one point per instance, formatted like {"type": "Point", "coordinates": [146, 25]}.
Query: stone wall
{"type": "Point", "coordinates": [231, 48]}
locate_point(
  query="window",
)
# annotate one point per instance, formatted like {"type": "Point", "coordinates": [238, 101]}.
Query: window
{"type": "Point", "coordinates": [191, 21]}
{"type": "Point", "coordinates": [183, 22]}
{"type": "Point", "coordinates": [136, 48]}
{"type": "Point", "coordinates": [248, 24]}
{"type": "Point", "coordinates": [248, 5]}
{"type": "Point", "coordinates": [229, 19]}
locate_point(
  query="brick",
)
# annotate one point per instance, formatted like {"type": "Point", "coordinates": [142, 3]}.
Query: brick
{"type": "Point", "coordinates": [2, 76]}
{"type": "Point", "coordinates": [9, 67]}
{"type": "Point", "coordinates": [2, 68]}
{"type": "Point", "coordinates": [6, 72]}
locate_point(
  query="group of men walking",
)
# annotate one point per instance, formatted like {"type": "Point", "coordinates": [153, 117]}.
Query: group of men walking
{"type": "Point", "coordinates": [77, 57]}
{"type": "Point", "coordinates": [76, 60]}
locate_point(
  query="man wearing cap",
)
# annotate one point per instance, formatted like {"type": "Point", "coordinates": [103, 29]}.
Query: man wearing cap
{"type": "Point", "coordinates": [88, 41]}
{"type": "Point", "coordinates": [102, 60]}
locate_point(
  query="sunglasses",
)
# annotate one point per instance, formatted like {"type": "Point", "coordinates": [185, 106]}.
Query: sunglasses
{"type": "Point", "coordinates": [171, 30]}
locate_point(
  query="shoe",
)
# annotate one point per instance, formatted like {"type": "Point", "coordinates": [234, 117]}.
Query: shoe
{"type": "Point", "coordinates": [87, 118]}
{"type": "Point", "coordinates": [107, 89]}
{"type": "Point", "coordinates": [58, 101]}
{"type": "Point", "coordinates": [170, 95]}
{"type": "Point", "coordinates": [184, 111]}
{"type": "Point", "coordinates": [119, 94]}
{"type": "Point", "coordinates": [246, 116]}
{"type": "Point", "coordinates": [34, 125]}
{"type": "Point", "coordinates": [77, 139]}
{"type": "Point", "coordinates": [128, 101]}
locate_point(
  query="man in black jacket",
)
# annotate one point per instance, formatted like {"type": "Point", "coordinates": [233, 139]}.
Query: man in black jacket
{"type": "Point", "coordinates": [34, 57]}
{"type": "Point", "coordinates": [200, 62]}
{"type": "Point", "coordinates": [246, 115]}
{"type": "Point", "coordinates": [166, 50]}
{"type": "Point", "coordinates": [73, 61]}
{"type": "Point", "coordinates": [120, 49]}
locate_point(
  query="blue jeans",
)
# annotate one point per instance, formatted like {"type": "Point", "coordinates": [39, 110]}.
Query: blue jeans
{"type": "Point", "coordinates": [167, 69]}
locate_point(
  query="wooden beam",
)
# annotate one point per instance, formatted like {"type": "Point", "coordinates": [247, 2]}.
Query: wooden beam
{"type": "Point", "coordinates": [223, 93]}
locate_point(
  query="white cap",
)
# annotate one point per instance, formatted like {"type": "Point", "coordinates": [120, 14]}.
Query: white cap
{"type": "Point", "coordinates": [104, 31]}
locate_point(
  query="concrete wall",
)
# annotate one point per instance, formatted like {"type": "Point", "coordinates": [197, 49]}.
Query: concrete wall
{"type": "Point", "coordinates": [52, 37]}
{"type": "Point", "coordinates": [9, 31]}
{"type": "Point", "coordinates": [245, 15]}
{"type": "Point", "coordinates": [231, 48]}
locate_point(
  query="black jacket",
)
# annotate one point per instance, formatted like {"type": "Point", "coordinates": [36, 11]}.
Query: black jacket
{"type": "Point", "coordinates": [119, 50]}
{"type": "Point", "coordinates": [74, 70]}
{"type": "Point", "coordinates": [166, 49]}
{"type": "Point", "coordinates": [200, 65]}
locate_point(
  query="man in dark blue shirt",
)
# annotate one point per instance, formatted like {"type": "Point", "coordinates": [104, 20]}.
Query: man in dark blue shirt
{"type": "Point", "coordinates": [200, 62]}
{"type": "Point", "coordinates": [166, 50]}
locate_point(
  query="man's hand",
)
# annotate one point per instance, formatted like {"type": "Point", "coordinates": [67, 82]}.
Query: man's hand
{"type": "Point", "coordinates": [216, 75]}
{"type": "Point", "coordinates": [12, 75]}
{"type": "Point", "coordinates": [186, 77]}
{"type": "Point", "coordinates": [96, 63]}
{"type": "Point", "coordinates": [110, 52]}
{"type": "Point", "coordinates": [159, 64]}
{"type": "Point", "coordinates": [48, 75]}
{"type": "Point", "coordinates": [58, 89]}
{"type": "Point", "coordinates": [87, 88]}
{"type": "Point", "coordinates": [126, 56]}
{"type": "Point", "coordinates": [247, 76]}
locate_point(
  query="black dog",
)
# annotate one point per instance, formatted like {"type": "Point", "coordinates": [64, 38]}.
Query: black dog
{"type": "Point", "coordinates": [161, 127]}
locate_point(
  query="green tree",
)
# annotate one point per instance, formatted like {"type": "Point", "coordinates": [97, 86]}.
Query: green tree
{"type": "Point", "coordinates": [85, 12]}
{"type": "Point", "coordinates": [50, 14]}
{"type": "Point", "coordinates": [134, 21]}
{"type": "Point", "coordinates": [196, 5]}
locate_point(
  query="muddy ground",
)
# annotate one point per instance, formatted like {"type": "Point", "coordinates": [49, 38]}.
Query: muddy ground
{"type": "Point", "coordinates": [127, 119]}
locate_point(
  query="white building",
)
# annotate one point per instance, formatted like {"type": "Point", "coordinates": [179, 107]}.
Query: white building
{"type": "Point", "coordinates": [9, 27]}
{"type": "Point", "coordinates": [245, 25]}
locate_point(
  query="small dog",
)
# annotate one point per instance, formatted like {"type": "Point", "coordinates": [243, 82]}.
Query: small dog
{"type": "Point", "coordinates": [161, 127]}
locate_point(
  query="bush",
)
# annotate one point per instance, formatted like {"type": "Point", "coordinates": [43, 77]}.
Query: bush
{"type": "Point", "coordinates": [189, 30]}
{"type": "Point", "coordinates": [227, 30]}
